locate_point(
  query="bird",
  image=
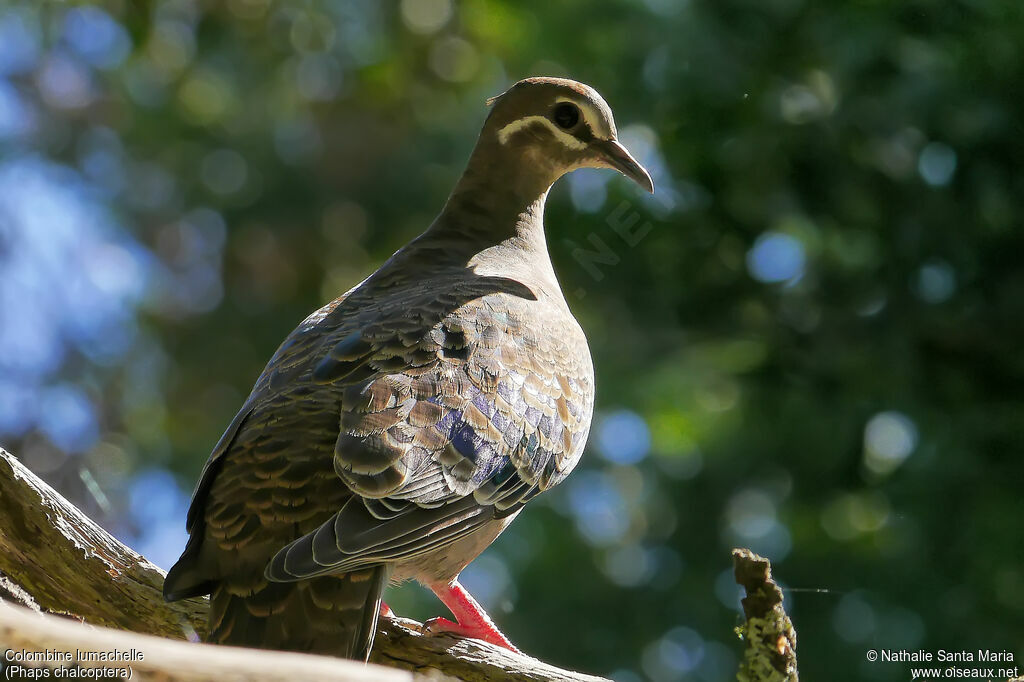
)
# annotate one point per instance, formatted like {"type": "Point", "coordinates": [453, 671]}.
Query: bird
{"type": "Point", "coordinates": [399, 429]}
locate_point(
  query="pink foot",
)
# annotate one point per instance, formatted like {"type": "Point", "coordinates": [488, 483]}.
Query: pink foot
{"type": "Point", "coordinates": [473, 621]}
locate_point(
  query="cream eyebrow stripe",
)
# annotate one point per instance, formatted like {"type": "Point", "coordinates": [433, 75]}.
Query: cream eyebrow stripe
{"type": "Point", "coordinates": [515, 126]}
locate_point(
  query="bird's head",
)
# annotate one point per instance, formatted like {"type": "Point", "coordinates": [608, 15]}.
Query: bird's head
{"type": "Point", "coordinates": [554, 125]}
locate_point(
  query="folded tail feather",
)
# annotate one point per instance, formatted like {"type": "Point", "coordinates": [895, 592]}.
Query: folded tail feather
{"type": "Point", "coordinates": [331, 615]}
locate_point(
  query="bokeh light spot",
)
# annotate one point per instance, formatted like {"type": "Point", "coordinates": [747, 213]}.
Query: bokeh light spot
{"type": "Point", "coordinates": [851, 515]}
{"type": "Point", "coordinates": [488, 579]}
{"type": "Point", "coordinates": [426, 16]}
{"type": "Point", "coordinates": [630, 565]}
{"type": "Point", "coordinates": [588, 189]}
{"type": "Point", "coordinates": [935, 282]}
{"type": "Point", "coordinates": [96, 37]}
{"type": "Point", "coordinates": [206, 97]}
{"type": "Point", "coordinates": [17, 116]}
{"type": "Point", "coordinates": [297, 141]}
{"type": "Point", "coordinates": [674, 655]}
{"type": "Point", "coordinates": [853, 618]}
{"type": "Point", "coordinates": [751, 513]}
{"type": "Point", "coordinates": [65, 83]}
{"type": "Point", "coordinates": [751, 518]}
{"type": "Point", "coordinates": [17, 409]}
{"type": "Point", "coordinates": [598, 507]}
{"type": "Point", "coordinates": [224, 171]}
{"type": "Point", "coordinates": [809, 101]}
{"type": "Point", "coordinates": [19, 39]}
{"type": "Point", "coordinates": [68, 418]}
{"type": "Point", "coordinates": [158, 506]}
{"type": "Point", "coordinates": [623, 437]}
{"type": "Point", "coordinates": [889, 438]}
{"type": "Point", "coordinates": [454, 59]}
{"type": "Point", "coordinates": [318, 77]}
{"type": "Point", "coordinates": [172, 46]}
{"type": "Point", "coordinates": [776, 257]}
{"type": "Point", "coordinates": [937, 164]}
{"type": "Point", "coordinates": [727, 591]}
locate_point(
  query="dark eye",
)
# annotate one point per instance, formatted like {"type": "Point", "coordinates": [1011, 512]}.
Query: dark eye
{"type": "Point", "coordinates": [566, 115]}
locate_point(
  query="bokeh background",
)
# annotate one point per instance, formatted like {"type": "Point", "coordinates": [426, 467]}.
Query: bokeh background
{"type": "Point", "coordinates": [807, 343]}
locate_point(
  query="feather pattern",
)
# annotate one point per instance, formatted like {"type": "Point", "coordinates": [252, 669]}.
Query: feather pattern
{"type": "Point", "coordinates": [396, 426]}
{"type": "Point", "coordinates": [400, 428]}
{"type": "Point", "coordinates": [491, 413]}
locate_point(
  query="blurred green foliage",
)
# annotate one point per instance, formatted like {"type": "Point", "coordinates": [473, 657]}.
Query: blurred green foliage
{"type": "Point", "coordinates": [812, 349]}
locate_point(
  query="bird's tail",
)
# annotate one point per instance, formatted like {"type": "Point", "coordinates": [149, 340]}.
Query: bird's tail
{"type": "Point", "coordinates": [334, 615]}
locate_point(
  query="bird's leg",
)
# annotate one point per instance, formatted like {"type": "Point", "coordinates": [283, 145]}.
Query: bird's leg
{"type": "Point", "coordinates": [473, 621]}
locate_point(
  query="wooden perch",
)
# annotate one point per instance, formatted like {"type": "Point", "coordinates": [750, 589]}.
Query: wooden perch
{"type": "Point", "coordinates": [55, 560]}
{"type": "Point", "coordinates": [770, 654]}
{"type": "Point", "coordinates": [149, 657]}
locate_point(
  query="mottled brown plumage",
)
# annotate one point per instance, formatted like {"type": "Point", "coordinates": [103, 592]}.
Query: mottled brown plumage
{"type": "Point", "coordinates": [400, 428]}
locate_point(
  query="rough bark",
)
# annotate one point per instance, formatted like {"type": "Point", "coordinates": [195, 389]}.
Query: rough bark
{"type": "Point", "coordinates": [55, 560]}
{"type": "Point", "coordinates": [21, 630]}
{"type": "Point", "coordinates": [770, 653]}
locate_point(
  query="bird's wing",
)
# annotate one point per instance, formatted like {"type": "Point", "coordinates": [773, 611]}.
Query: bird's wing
{"type": "Point", "coordinates": [443, 428]}
{"type": "Point", "coordinates": [286, 365]}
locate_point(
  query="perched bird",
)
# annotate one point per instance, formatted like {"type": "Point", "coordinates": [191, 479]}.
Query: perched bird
{"type": "Point", "coordinates": [400, 428]}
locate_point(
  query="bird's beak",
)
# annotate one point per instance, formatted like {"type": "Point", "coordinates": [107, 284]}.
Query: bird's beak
{"type": "Point", "coordinates": [618, 158]}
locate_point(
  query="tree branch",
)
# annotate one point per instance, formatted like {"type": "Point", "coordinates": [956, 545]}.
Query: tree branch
{"type": "Point", "coordinates": [770, 654]}
{"type": "Point", "coordinates": [146, 657]}
{"type": "Point", "coordinates": [55, 560]}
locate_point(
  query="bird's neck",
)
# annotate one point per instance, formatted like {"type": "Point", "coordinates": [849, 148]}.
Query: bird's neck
{"type": "Point", "coordinates": [499, 200]}
{"type": "Point", "coordinates": [492, 224]}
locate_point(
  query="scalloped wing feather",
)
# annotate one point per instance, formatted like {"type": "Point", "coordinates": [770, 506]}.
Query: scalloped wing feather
{"type": "Point", "coordinates": [419, 402]}
{"type": "Point", "coordinates": [498, 413]}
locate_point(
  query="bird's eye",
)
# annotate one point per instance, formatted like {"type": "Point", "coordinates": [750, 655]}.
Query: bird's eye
{"type": "Point", "coordinates": [566, 115]}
